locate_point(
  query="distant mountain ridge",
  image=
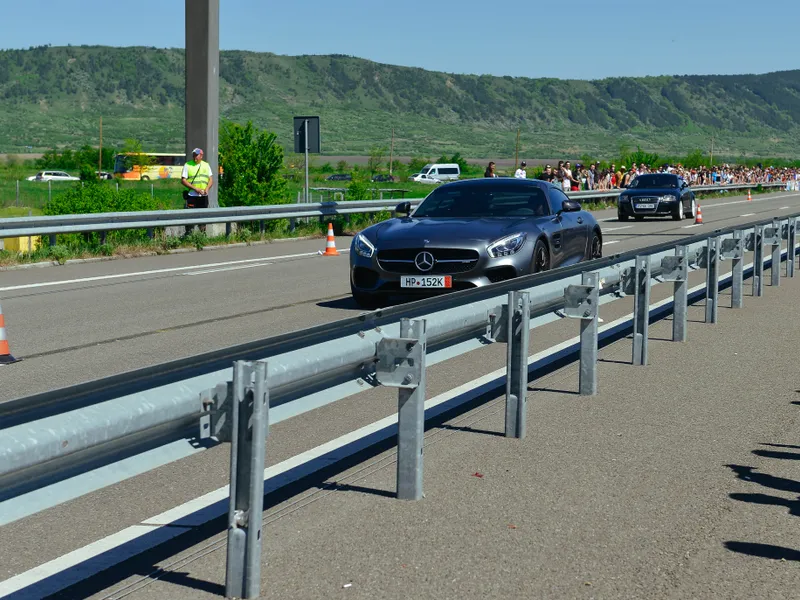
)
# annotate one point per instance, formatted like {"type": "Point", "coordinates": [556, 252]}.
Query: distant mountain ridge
{"type": "Point", "coordinates": [55, 96]}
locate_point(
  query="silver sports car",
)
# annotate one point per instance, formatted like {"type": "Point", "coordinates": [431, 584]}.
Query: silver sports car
{"type": "Point", "coordinates": [471, 233]}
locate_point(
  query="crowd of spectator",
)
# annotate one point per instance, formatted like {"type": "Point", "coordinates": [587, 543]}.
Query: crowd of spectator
{"type": "Point", "coordinates": [594, 177]}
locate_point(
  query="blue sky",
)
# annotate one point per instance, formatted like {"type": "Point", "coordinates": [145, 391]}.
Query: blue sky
{"type": "Point", "coordinates": [574, 40]}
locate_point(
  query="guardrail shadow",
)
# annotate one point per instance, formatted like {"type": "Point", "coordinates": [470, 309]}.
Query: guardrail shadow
{"type": "Point", "coordinates": [781, 484]}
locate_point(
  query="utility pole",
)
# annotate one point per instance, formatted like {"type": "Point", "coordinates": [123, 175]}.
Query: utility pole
{"type": "Point", "coordinates": [516, 152]}
{"type": "Point", "coordinates": [100, 157]}
{"type": "Point", "coordinates": [712, 151]}
{"type": "Point", "coordinates": [391, 153]}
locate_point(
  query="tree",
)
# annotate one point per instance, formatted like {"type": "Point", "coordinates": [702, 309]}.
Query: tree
{"type": "Point", "coordinates": [252, 166]}
{"type": "Point", "coordinates": [137, 159]}
{"type": "Point", "coordinates": [342, 166]}
{"type": "Point", "coordinates": [376, 155]}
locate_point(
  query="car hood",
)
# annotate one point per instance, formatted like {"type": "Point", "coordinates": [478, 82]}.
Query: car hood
{"type": "Point", "coordinates": [650, 191]}
{"type": "Point", "coordinates": [434, 232]}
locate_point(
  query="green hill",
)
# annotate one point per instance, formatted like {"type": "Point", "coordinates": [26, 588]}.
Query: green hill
{"type": "Point", "coordinates": [55, 96]}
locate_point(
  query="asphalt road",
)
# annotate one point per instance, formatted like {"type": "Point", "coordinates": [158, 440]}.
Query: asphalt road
{"type": "Point", "coordinates": [79, 322]}
{"type": "Point", "coordinates": [592, 520]}
{"type": "Point", "coordinates": [677, 480]}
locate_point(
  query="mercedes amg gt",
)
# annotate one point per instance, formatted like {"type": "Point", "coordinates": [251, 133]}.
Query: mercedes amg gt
{"type": "Point", "coordinates": [468, 234]}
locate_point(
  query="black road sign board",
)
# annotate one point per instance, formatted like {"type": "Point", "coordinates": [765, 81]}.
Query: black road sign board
{"type": "Point", "coordinates": [313, 135]}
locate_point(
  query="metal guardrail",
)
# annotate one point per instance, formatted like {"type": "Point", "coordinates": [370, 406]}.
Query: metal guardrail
{"type": "Point", "coordinates": [101, 222]}
{"type": "Point", "coordinates": [58, 433]}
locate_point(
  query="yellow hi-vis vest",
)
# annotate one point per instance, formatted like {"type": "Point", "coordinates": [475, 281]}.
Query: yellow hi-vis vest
{"type": "Point", "coordinates": [198, 174]}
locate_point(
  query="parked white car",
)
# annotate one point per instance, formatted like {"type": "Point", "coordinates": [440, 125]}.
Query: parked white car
{"type": "Point", "coordinates": [423, 178]}
{"type": "Point", "coordinates": [53, 176]}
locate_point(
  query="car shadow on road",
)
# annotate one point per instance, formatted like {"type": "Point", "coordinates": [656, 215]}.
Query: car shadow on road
{"type": "Point", "coordinates": [467, 429]}
{"type": "Point", "coordinates": [346, 303]}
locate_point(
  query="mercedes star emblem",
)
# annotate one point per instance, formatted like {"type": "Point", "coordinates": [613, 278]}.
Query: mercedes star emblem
{"type": "Point", "coordinates": [424, 261]}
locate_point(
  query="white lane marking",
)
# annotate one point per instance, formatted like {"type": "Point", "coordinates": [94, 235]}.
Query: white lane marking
{"type": "Point", "coordinates": [177, 519]}
{"type": "Point", "coordinates": [748, 201]}
{"type": "Point", "coordinates": [690, 226]}
{"type": "Point", "coordinates": [617, 228]}
{"type": "Point", "coordinates": [611, 242]}
{"type": "Point", "coordinates": [266, 264]}
{"type": "Point", "coordinates": [783, 208]}
{"type": "Point", "coordinates": [748, 215]}
{"type": "Point", "coordinates": [158, 271]}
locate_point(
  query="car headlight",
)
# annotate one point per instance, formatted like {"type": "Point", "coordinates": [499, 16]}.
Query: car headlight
{"type": "Point", "coordinates": [667, 198]}
{"type": "Point", "coordinates": [624, 199]}
{"type": "Point", "coordinates": [506, 246]}
{"type": "Point", "coordinates": [363, 247]}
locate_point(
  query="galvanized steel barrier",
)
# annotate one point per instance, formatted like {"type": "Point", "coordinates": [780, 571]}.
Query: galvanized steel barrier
{"type": "Point", "coordinates": [103, 222]}
{"type": "Point", "coordinates": [58, 433]}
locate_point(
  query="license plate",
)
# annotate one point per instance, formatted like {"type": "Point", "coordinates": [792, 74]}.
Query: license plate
{"type": "Point", "coordinates": [443, 281]}
{"type": "Point", "coordinates": [645, 206]}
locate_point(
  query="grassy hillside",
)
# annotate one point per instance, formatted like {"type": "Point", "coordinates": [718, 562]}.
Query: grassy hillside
{"type": "Point", "coordinates": [55, 96]}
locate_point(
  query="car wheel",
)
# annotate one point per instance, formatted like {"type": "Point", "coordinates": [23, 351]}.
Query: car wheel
{"type": "Point", "coordinates": [621, 217]}
{"type": "Point", "coordinates": [693, 212]}
{"type": "Point", "coordinates": [596, 247]}
{"type": "Point", "coordinates": [367, 300]}
{"type": "Point", "coordinates": [678, 214]}
{"type": "Point", "coordinates": [541, 257]}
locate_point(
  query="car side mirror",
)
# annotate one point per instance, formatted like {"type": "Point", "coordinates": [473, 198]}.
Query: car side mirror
{"type": "Point", "coordinates": [403, 209]}
{"type": "Point", "coordinates": [570, 206]}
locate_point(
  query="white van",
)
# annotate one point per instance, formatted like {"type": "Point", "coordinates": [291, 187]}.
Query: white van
{"type": "Point", "coordinates": [442, 171]}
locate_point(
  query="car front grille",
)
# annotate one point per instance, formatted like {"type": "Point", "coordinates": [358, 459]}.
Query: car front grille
{"type": "Point", "coordinates": [447, 261]}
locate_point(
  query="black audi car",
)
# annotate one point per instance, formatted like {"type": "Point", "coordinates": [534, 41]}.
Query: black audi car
{"type": "Point", "coordinates": [468, 234]}
{"type": "Point", "coordinates": [657, 194]}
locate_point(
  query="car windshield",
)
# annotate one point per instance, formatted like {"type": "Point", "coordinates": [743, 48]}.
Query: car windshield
{"type": "Point", "coordinates": [484, 201]}
{"type": "Point", "coordinates": [655, 181]}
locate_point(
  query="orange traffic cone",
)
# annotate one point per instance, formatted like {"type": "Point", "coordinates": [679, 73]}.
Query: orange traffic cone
{"type": "Point", "coordinates": [330, 245]}
{"type": "Point", "coordinates": [749, 197]}
{"type": "Point", "coordinates": [699, 218]}
{"type": "Point", "coordinates": [5, 352]}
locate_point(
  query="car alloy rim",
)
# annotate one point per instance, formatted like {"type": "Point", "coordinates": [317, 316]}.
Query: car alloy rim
{"type": "Point", "coordinates": [596, 247]}
{"type": "Point", "coordinates": [541, 258]}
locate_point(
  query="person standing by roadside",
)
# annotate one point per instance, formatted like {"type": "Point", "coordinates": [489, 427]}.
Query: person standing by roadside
{"type": "Point", "coordinates": [521, 173]}
{"type": "Point", "coordinates": [198, 179]}
{"type": "Point", "coordinates": [489, 172]}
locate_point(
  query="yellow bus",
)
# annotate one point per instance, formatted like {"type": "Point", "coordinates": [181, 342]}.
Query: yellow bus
{"type": "Point", "coordinates": [159, 165]}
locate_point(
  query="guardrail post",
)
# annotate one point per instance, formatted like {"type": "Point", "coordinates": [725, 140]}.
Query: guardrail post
{"type": "Point", "coordinates": [758, 261]}
{"type": "Point", "coordinates": [228, 229]}
{"type": "Point", "coordinates": [248, 444]}
{"type": "Point", "coordinates": [401, 364]}
{"type": "Point", "coordinates": [51, 239]}
{"type": "Point", "coordinates": [151, 233]}
{"type": "Point", "coordinates": [582, 302]}
{"type": "Point", "coordinates": [262, 226]}
{"type": "Point", "coordinates": [737, 271]}
{"type": "Point", "coordinates": [518, 337]}
{"type": "Point", "coordinates": [641, 310]}
{"type": "Point", "coordinates": [712, 278]}
{"type": "Point", "coordinates": [103, 237]}
{"type": "Point", "coordinates": [676, 269]}
{"type": "Point", "coordinates": [775, 269]}
{"type": "Point", "coordinates": [791, 237]}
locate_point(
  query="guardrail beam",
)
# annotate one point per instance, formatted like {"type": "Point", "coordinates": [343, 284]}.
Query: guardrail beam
{"type": "Point", "coordinates": [518, 327]}
{"type": "Point", "coordinates": [248, 445]}
{"type": "Point", "coordinates": [772, 237]}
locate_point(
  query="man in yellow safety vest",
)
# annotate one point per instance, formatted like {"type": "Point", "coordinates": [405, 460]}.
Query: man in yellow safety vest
{"type": "Point", "coordinates": [197, 177]}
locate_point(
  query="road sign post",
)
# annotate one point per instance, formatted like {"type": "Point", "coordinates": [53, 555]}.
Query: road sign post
{"type": "Point", "coordinates": [306, 141]}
